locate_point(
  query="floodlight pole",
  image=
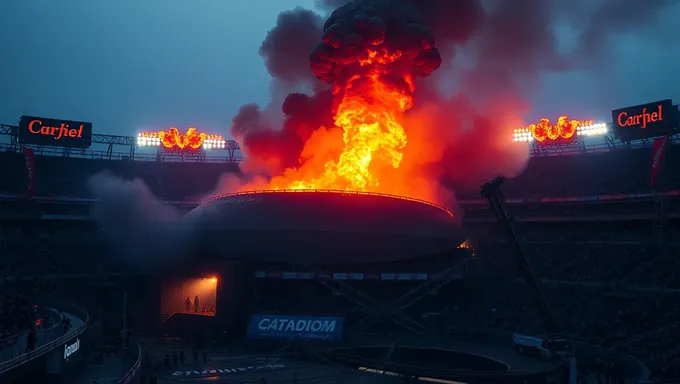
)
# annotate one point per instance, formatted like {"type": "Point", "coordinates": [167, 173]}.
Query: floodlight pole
{"type": "Point", "coordinates": [492, 192]}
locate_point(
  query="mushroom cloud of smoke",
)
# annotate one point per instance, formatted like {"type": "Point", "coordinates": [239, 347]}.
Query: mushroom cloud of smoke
{"type": "Point", "coordinates": [494, 53]}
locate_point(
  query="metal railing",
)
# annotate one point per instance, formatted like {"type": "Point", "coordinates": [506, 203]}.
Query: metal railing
{"type": "Point", "coordinates": [134, 371]}
{"type": "Point", "coordinates": [46, 340]}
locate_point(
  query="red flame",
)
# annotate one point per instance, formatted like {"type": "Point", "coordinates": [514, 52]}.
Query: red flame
{"type": "Point", "coordinates": [172, 139]}
{"type": "Point", "coordinates": [369, 112]}
{"type": "Point", "coordinates": [563, 129]}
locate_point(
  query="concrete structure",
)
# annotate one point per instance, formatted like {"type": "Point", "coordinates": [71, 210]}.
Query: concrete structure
{"type": "Point", "coordinates": [323, 227]}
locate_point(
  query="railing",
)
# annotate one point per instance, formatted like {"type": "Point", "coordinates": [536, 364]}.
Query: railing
{"type": "Point", "coordinates": [47, 340]}
{"type": "Point", "coordinates": [134, 371]}
{"type": "Point", "coordinates": [94, 154]}
{"type": "Point", "coordinates": [11, 347]}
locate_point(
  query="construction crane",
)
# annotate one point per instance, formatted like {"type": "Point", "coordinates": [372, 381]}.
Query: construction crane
{"type": "Point", "coordinates": [492, 192]}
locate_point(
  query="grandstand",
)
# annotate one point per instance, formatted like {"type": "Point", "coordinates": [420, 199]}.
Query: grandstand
{"type": "Point", "coordinates": [600, 239]}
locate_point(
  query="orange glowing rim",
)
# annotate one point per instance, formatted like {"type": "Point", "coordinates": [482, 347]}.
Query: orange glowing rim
{"type": "Point", "coordinates": [257, 192]}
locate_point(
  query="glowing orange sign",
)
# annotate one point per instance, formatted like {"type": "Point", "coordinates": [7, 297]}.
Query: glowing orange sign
{"type": "Point", "coordinates": [172, 139]}
{"type": "Point", "coordinates": [66, 133]}
{"type": "Point", "coordinates": [563, 129]}
{"type": "Point", "coordinates": [624, 119]}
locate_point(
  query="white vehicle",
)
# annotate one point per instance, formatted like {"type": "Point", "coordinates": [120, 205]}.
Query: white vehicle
{"type": "Point", "coordinates": [545, 348]}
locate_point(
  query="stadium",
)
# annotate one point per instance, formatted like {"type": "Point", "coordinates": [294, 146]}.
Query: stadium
{"type": "Point", "coordinates": [371, 223]}
{"type": "Point", "coordinates": [336, 286]}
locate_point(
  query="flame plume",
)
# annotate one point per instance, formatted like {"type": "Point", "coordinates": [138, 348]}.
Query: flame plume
{"type": "Point", "coordinates": [370, 55]}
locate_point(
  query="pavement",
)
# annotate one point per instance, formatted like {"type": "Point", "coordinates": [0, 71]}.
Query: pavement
{"type": "Point", "coordinates": [109, 371]}
{"type": "Point", "coordinates": [237, 369]}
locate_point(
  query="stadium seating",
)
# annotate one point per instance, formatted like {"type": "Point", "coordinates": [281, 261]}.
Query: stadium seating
{"type": "Point", "coordinates": [619, 171]}
{"type": "Point", "coordinates": [589, 271]}
{"type": "Point", "coordinates": [15, 315]}
{"type": "Point", "coordinates": [66, 176]}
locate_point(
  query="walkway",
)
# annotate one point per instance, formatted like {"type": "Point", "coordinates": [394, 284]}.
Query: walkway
{"type": "Point", "coordinates": [109, 371]}
{"type": "Point", "coordinates": [43, 337]}
{"type": "Point", "coordinates": [75, 321]}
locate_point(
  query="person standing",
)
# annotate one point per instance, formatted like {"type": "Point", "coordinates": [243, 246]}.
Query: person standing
{"type": "Point", "coordinates": [196, 304]}
{"type": "Point", "coordinates": [187, 305]}
{"type": "Point", "coordinates": [30, 340]}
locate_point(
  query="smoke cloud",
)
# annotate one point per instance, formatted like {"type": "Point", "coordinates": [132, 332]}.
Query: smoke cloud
{"type": "Point", "coordinates": [286, 48]}
{"type": "Point", "coordinates": [460, 128]}
{"type": "Point", "coordinates": [141, 230]}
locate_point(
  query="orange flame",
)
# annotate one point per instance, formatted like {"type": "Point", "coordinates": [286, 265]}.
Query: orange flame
{"type": "Point", "coordinates": [369, 112]}
{"type": "Point", "coordinates": [563, 129]}
{"type": "Point", "coordinates": [172, 139]}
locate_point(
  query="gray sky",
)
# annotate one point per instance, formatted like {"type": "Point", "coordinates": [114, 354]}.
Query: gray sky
{"type": "Point", "coordinates": [130, 65]}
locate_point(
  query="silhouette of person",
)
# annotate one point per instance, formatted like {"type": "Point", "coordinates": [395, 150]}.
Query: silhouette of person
{"type": "Point", "coordinates": [30, 340]}
{"type": "Point", "coordinates": [187, 305]}
{"type": "Point", "coordinates": [196, 304]}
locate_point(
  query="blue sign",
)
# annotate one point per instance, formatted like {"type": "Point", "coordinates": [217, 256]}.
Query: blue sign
{"type": "Point", "coordinates": [303, 327]}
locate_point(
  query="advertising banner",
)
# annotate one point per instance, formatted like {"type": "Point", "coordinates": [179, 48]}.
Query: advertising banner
{"type": "Point", "coordinates": [302, 327]}
{"type": "Point", "coordinates": [70, 348]}
{"type": "Point", "coordinates": [29, 159]}
{"type": "Point", "coordinates": [54, 132]}
{"type": "Point", "coordinates": [644, 121]}
{"type": "Point", "coordinates": [658, 152]}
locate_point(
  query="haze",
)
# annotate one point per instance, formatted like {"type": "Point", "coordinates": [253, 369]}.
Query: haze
{"type": "Point", "coordinates": [131, 65]}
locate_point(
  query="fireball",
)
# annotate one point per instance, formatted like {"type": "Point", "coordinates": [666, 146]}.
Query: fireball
{"type": "Point", "coordinates": [370, 56]}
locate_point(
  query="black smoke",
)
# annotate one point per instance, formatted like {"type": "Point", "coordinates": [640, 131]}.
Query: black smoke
{"type": "Point", "coordinates": [286, 48]}
{"type": "Point", "coordinates": [494, 53]}
{"type": "Point", "coordinates": [380, 25]}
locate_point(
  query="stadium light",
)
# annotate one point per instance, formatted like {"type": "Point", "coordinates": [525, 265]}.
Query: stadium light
{"type": "Point", "coordinates": [522, 135]}
{"type": "Point", "coordinates": [598, 129]}
{"type": "Point", "coordinates": [172, 139]}
{"type": "Point", "coordinates": [563, 129]}
{"type": "Point", "coordinates": [147, 139]}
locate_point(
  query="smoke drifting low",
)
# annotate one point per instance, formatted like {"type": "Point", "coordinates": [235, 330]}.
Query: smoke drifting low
{"type": "Point", "coordinates": [142, 231]}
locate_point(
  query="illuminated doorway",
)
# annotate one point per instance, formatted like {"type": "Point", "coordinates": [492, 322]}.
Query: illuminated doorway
{"type": "Point", "coordinates": [197, 296]}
